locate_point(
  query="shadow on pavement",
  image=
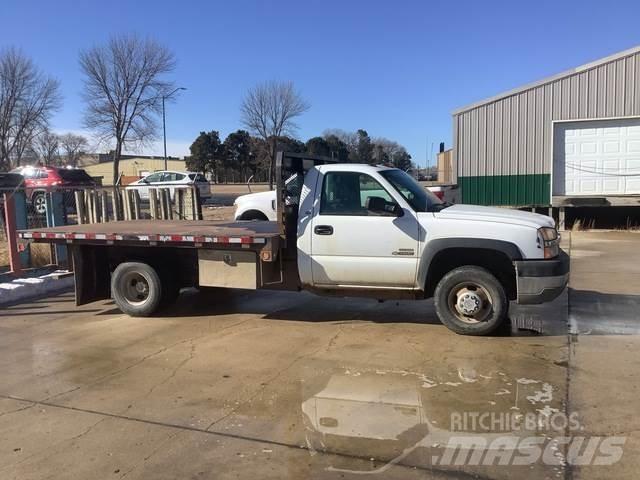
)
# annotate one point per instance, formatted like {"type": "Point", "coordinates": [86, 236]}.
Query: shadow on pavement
{"type": "Point", "coordinates": [596, 313]}
{"type": "Point", "coordinates": [541, 320]}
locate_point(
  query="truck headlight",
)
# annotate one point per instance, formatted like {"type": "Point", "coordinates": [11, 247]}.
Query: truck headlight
{"type": "Point", "coordinates": [549, 240]}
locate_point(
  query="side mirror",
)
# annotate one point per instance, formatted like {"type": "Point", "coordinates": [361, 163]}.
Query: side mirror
{"type": "Point", "coordinates": [380, 206]}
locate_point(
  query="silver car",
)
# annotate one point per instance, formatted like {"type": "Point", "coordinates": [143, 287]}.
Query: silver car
{"type": "Point", "coordinates": [171, 180]}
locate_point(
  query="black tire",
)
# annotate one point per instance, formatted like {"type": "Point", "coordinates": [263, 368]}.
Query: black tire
{"type": "Point", "coordinates": [470, 300]}
{"type": "Point", "coordinates": [39, 203]}
{"type": "Point", "coordinates": [136, 288]}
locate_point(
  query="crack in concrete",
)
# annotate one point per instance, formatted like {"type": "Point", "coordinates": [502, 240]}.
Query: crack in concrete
{"type": "Point", "coordinates": [140, 361]}
{"type": "Point", "coordinates": [53, 449]}
{"type": "Point", "coordinates": [155, 450]}
{"type": "Point", "coordinates": [175, 370]}
{"type": "Point", "coordinates": [21, 409]}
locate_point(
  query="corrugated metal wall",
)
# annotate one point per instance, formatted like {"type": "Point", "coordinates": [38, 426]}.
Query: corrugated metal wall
{"type": "Point", "coordinates": [511, 136]}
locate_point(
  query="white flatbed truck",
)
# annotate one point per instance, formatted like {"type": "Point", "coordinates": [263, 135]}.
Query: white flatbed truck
{"type": "Point", "coordinates": [341, 229]}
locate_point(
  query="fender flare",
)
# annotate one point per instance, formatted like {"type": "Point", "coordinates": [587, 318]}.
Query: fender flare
{"type": "Point", "coordinates": [434, 247]}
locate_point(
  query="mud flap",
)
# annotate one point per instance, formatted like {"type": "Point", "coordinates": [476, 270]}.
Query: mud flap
{"type": "Point", "coordinates": [91, 273]}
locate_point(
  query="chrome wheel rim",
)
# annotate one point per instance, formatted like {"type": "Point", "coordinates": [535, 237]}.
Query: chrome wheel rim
{"type": "Point", "coordinates": [135, 288]}
{"type": "Point", "coordinates": [470, 302]}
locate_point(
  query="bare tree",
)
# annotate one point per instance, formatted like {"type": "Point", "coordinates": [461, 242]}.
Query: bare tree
{"type": "Point", "coordinates": [28, 98]}
{"type": "Point", "coordinates": [47, 145]}
{"type": "Point", "coordinates": [24, 146]}
{"type": "Point", "coordinates": [350, 139]}
{"type": "Point", "coordinates": [384, 150]}
{"type": "Point", "coordinates": [269, 110]}
{"type": "Point", "coordinates": [73, 146]}
{"type": "Point", "coordinates": [123, 89]}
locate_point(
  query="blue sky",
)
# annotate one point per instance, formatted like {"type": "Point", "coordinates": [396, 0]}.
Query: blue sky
{"type": "Point", "coordinates": [395, 68]}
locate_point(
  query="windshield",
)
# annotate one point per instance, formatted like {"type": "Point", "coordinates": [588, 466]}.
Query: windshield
{"type": "Point", "coordinates": [420, 199]}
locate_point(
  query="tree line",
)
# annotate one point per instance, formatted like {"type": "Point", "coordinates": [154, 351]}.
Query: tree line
{"type": "Point", "coordinates": [124, 92]}
{"type": "Point", "coordinates": [241, 156]}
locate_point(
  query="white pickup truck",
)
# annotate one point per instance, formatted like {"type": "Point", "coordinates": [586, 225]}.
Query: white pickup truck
{"type": "Point", "coordinates": [340, 229]}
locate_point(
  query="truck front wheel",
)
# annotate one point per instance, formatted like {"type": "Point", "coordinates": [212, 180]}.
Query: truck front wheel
{"type": "Point", "coordinates": [470, 300]}
{"type": "Point", "coordinates": [136, 289]}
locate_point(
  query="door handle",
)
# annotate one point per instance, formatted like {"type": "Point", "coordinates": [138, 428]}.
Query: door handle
{"type": "Point", "coordinates": [323, 230]}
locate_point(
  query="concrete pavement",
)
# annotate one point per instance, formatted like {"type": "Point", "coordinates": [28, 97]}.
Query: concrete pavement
{"type": "Point", "coordinates": [276, 385]}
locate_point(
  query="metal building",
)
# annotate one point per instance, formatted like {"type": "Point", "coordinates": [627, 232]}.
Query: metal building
{"type": "Point", "coordinates": [576, 134]}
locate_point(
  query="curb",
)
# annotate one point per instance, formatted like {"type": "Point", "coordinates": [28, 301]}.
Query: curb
{"type": "Point", "coordinates": [22, 289]}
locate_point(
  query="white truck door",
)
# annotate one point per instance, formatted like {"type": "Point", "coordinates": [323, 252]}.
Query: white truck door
{"type": "Point", "coordinates": [352, 245]}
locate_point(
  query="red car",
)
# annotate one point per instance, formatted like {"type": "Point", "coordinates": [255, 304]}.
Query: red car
{"type": "Point", "coordinates": [39, 180]}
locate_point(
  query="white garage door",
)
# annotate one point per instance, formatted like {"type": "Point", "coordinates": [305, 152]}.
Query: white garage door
{"type": "Point", "coordinates": [600, 157]}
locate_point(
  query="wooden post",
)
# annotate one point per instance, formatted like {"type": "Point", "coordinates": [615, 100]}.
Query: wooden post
{"type": "Point", "coordinates": [12, 239]}
{"type": "Point", "coordinates": [90, 206]}
{"type": "Point", "coordinates": [80, 211]}
{"type": "Point", "coordinates": [153, 203]}
{"type": "Point", "coordinates": [197, 205]}
{"type": "Point", "coordinates": [169, 204]}
{"type": "Point", "coordinates": [104, 215]}
{"type": "Point", "coordinates": [126, 204]}
{"type": "Point", "coordinates": [56, 218]}
{"type": "Point", "coordinates": [190, 203]}
{"type": "Point", "coordinates": [136, 204]}
{"type": "Point", "coordinates": [117, 204]}
{"type": "Point", "coordinates": [179, 201]}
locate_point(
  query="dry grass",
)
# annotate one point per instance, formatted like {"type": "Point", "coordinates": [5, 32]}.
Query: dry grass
{"type": "Point", "coordinates": [217, 213]}
{"type": "Point", "coordinates": [238, 188]}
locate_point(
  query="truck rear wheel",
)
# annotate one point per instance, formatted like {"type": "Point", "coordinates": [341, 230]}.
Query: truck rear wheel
{"type": "Point", "coordinates": [470, 300]}
{"type": "Point", "coordinates": [136, 289]}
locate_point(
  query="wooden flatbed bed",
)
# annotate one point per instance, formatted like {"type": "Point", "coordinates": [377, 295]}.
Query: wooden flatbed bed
{"type": "Point", "coordinates": [159, 232]}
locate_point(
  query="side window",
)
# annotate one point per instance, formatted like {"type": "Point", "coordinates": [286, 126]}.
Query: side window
{"type": "Point", "coordinates": [154, 177]}
{"type": "Point", "coordinates": [347, 193]}
{"type": "Point", "coordinates": [172, 177]}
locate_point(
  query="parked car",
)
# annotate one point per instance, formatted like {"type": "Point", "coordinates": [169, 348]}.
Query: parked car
{"type": "Point", "coordinates": [40, 180]}
{"type": "Point", "coordinates": [171, 180]}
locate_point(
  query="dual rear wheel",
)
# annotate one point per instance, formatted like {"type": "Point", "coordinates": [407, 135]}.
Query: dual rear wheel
{"type": "Point", "coordinates": [139, 289]}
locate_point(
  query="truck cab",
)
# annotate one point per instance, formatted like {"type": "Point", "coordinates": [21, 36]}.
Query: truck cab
{"type": "Point", "coordinates": [374, 231]}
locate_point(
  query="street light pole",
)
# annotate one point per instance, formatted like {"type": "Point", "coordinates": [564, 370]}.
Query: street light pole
{"type": "Point", "coordinates": [164, 135]}
{"type": "Point", "coordinates": [164, 124]}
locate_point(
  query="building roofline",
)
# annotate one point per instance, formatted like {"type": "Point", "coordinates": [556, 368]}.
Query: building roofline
{"type": "Point", "coordinates": [552, 78]}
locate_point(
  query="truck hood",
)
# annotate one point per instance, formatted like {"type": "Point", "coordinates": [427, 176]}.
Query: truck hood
{"type": "Point", "coordinates": [493, 214]}
{"type": "Point", "coordinates": [264, 197]}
